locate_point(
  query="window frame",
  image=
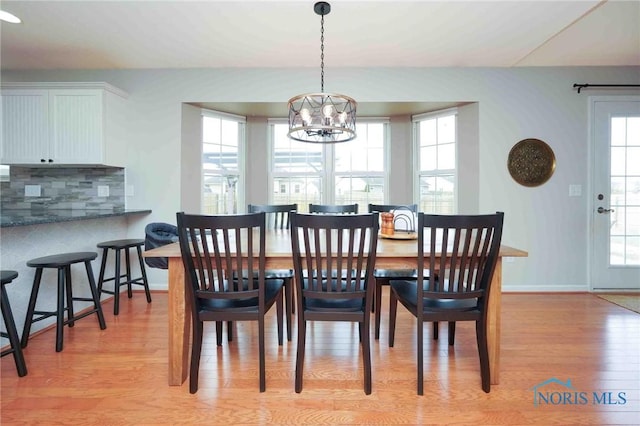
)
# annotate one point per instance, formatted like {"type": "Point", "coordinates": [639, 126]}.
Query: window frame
{"type": "Point", "coordinates": [328, 174]}
{"type": "Point", "coordinates": [242, 142]}
{"type": "Point", "coordinates": [418, 173]}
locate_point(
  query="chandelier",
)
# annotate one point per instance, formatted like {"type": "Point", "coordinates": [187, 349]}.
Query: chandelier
{"type": "Point", "coordinates": [322, 117]}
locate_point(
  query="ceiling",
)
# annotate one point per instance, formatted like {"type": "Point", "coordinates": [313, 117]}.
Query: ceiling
{"type": "Point", "coordinates": [148, 34]}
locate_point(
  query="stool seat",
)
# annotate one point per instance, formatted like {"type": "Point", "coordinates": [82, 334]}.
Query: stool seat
{"type": "Point", "coordinates": [64, 259]}
{"type": "Point", "coordinates": [62, 262]}
{"type": "Point", "coordinates": [12, 332]}
{"type": "Point", "coordinates": [121, 244]}
{"type": "Point", "coordinates": [119, 278]}
{"type": "Point", "coordinates": [8, 276]}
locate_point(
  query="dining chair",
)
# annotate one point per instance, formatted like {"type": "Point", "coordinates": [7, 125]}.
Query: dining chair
{"type": "Point", "coordinates": [464, 250]}
{"type": "Point", "coordinates": [345, 244]}
{"type": "Point", "coordinates": [225, 278]}
{"type": "Point", "coordinates": [382, 276]}
{"type": "Point", "coordinates": [333, 208]}
{"type": "Point", "coordinates": [277, 217]}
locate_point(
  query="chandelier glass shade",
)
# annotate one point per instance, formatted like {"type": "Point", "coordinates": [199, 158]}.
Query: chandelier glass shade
{"type": "Point", "coordinates": [322, 117]}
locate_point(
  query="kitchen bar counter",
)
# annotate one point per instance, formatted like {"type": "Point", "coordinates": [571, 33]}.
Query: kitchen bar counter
{"type": "Point", "coordinates": [10, 218]}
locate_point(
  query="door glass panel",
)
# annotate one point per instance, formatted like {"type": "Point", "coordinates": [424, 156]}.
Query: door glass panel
{"type": "Point", "coordinates": [624, 234]}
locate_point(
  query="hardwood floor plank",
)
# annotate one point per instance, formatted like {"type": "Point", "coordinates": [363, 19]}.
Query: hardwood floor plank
{"type": "Point", "coordinates": [118, 376]}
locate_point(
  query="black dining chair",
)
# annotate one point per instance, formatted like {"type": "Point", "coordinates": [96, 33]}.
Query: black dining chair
{"type": "Point", "coordinates": [460, 291]}
{"type": "Point", "coordinates": [383, 276]}
{"type": "Point", "coordinates": [345, 244]}
{"type": "Point", "coordinates": [225, 278]}
{"type": "Point", "coordinates": [333, 208]}
{"type": "Point", "coordinates": [277, 218]}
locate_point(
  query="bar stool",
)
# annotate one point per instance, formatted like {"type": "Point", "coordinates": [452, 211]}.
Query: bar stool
{"type": "Point", "coordinates": [12, 333]}
{"type": "Point", "coordinates": [62, 262]}
{"type": "Point", "coordinates": [125, 245]}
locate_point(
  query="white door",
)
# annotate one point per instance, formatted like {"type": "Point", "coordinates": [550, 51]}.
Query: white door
{"type": "Point", "coordinates": [615, 203]}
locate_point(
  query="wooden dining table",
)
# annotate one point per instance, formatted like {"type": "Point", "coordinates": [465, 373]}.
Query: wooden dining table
{"type": "Point", "coordinates": [390, 254]}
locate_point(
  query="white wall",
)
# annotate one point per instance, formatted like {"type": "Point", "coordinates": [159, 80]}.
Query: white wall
{"type": "Point", "coordinates": [513, 104]}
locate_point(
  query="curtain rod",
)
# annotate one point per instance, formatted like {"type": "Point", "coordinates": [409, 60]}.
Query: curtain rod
{"type": "Point", "coordinates": [586, 86]}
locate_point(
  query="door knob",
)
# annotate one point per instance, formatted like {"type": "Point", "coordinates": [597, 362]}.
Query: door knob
{"type": "Point", "coordinates": [602, 210]}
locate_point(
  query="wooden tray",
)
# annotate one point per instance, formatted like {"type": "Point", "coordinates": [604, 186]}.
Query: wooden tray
{"type": "Point", "coordinates": [400, 235]}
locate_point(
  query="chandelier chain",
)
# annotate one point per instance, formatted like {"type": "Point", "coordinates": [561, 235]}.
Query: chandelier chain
{"type": "Point", "coordinates": [322, 54]}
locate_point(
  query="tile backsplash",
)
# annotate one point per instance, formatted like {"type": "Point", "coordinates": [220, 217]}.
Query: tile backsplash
{"type": "Point", "coordinates": [64, 188]}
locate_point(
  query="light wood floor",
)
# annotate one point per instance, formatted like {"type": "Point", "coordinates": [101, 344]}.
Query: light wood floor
{"type": "Point", "coordinates": [119, 376]}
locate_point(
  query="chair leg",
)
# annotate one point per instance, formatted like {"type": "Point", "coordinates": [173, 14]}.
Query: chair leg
{"type": "Point", "coordinates": [288, 296]}
{"type": "Point", "coordinates": [116, 285]}
{"type": "Point", "coordinates": [219, 332]}
{"type": "Point", "coordinates": [452, 332]}
{"type": "Point", "coordinates": [420, 356]}
{"type": "Point", "coordinates": [279, 309]}
{"type": "Point", "coordinates": [483, 351]}
{"type": "Point", "coordinates": [393, 308]}
{"type": "Point", "coordinates": [195, 355]}
{"type": "Point", "coordinates": [12, 334]}
{"type": "Point", "coordinates": [435, 330]}
{"type": "Point", "coordinates": [302, 331]}
{"type": "Point", "coordinates": [143, 270]}
{"type": "Point", "coordinates": [71, 316]}
{"type": "Point", "coordinates": [103, 266]}
{"type": "Point", "coordinates": [32, 306]}
{"type": "Point", "coordinates": [60, 312]}
{"type": "Point", "coordinates": [378, 306]}
{"type": "Point", "coordinates": [95, 295]}
{"type": "Point", "coordinates": [261, 349]}
{"type": "Point", "coordinates": [366, 356]}
{"type": "Point", "coordinates": [127, 258]}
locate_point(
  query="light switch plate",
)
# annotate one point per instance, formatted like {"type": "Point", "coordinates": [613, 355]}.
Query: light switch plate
{"type": "Point", "coordinates": [32, 190]}
{"type": "Point", "coordinates": [575, 190]}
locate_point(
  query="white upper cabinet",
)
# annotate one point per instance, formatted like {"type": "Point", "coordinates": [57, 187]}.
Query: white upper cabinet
{"type": "Point", "coordinates": [63, 124]}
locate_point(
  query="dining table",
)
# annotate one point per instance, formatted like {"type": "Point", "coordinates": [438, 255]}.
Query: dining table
{"type": "Point", "coordinates": [391, 253]}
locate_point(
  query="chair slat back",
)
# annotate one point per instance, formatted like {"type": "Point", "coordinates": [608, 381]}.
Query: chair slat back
{"type": "Point", "coordinates": [463, 254]}
{"type": "Point", "coordinates": [334, 255]}
{"type": "Point", "coordinates": [333, 208]}
{"type": "Point", "coordinates": [216, 250]}
{"type": "Point", "coordinates": [277, 214]}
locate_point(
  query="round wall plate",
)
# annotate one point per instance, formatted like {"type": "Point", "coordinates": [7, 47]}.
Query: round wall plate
{"type": "Point", "coordinates": [531, 162]}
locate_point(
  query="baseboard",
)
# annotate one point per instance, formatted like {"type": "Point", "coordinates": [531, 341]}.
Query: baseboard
{"type": "Point", "coordinates": [571, 288]}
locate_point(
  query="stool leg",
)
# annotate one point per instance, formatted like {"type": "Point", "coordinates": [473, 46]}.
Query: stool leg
{"type": "Point", "coordinates": [103, 266]}
{"type": "Point", "coordinates": [128, 266]}
{"type": "Point", "coordinates": [144, 275]}
{"type": "Point", "coordinates": [16, 348]}
{"type": "Point", "coordinates": [60, 312]}
{"type": "Point", "coordinates": [95, 295]}
{"type": "Point", "coordinates": [32, 306]}
{"type": "Point", "coordinates": [116, 285]}
{"type": "Point", "coordinates": [71, 316]}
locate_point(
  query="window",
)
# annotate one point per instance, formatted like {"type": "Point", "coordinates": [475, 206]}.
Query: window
{"type": "Point", "coordinates": [435, 141]}
{"type": "Point", "coordinates": [222, 144]}
{"type": "Point", "coordinates": [343, 173]}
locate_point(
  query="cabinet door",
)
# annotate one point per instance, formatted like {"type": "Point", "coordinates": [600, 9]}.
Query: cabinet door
{"type": "Point", "coordinates": [25, 127]}
{"type": "Point", "coordinates": [77, 126]}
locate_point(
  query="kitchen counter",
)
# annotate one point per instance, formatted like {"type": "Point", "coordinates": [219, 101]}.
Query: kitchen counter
{"type": "Point", "coordinates": [10, 218]}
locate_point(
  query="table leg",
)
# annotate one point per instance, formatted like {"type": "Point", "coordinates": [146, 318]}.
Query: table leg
{"type": "Point", "coordinates": [179, 324]}
{"type": "Point", "coordinates": [493, 326]}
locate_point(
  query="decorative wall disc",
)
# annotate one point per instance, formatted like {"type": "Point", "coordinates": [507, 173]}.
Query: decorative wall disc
{"type": "Point", "coordinates": [531, 162]}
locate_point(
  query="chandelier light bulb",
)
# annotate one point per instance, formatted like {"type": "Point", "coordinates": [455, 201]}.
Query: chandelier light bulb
{"type": "Point", "coordinates": [327, 111]}
{"type": "Point", "coordinates": [306, 116]}
{"type": "Point", "coordinates": [342, 117]}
